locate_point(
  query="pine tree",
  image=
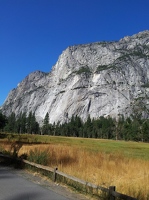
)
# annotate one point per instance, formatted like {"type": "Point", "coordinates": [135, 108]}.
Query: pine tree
{"type": "Point", "coordinates": [23, 123]}
{"type": "Point", "coordinates": [3, 121]}
{"type": "Point", "coordinates": [46, 126]}
{"type": "Point", "coordinates": [29, 119]}
{"type": "Point", "coordinates": [144, 130]}
{"type": "Point", "coordinates": [11, 123]}
{"type": "Point", "coordinates": [32, 124]}
{"type": "Point", "coordinates": [88, 127]}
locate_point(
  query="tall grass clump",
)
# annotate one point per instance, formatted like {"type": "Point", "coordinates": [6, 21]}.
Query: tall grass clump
{"type": "Point", "coordinates": [39, 156]}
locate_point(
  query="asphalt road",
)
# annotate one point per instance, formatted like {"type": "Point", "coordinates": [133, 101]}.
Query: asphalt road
{"type": "Point", "coordinates": [20, 185]}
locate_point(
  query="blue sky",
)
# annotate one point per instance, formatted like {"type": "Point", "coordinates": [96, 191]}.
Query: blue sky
{"type": "Point", "coordinates": [33, 33]}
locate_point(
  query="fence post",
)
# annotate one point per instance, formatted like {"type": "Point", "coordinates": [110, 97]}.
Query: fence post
{"type": "Point", "coordinates": [54, 174]}
{"type": "Point", "coordinates": [111, 189]}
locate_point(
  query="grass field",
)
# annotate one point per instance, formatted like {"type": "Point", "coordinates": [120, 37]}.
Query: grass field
{"type": "Point", "coordinates": [102, 162]}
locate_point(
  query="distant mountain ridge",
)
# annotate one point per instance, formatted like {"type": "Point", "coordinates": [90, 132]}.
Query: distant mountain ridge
{"type": "Point", "coordinates": [96, 79]}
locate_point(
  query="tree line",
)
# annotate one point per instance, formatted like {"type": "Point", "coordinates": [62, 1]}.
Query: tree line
{"type": "Point", "coordinates": [132, 128]}
{"type": "Point", "coordinates": [19, 124]}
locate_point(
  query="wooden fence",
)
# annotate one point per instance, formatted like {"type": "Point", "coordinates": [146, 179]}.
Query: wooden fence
{"type": "Point", "coordinates": [58, 176]}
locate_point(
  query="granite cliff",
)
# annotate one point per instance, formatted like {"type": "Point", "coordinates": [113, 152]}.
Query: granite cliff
{"type": "Point", "coordinates": [97, 79]}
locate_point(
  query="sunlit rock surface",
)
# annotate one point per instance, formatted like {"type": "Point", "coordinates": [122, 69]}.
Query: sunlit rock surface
{"type": "Point", "coordinates": [97, 79]}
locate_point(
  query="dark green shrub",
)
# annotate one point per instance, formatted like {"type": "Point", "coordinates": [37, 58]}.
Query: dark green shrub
{"type": "Point", "coordinates": [83, 70]}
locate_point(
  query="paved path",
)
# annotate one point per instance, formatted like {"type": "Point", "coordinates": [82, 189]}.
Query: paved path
{"type": "Point", "coordinates": [21, 185]}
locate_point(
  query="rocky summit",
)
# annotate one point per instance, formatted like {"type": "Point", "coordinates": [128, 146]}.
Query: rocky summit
{"type": "Point", "coordinates": [97, 79]}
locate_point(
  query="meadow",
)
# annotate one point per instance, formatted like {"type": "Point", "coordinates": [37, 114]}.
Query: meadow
{"type": "Point", "coordinates": [102, 162]}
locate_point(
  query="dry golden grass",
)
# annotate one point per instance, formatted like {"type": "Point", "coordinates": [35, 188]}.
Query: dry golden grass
{"type": "Point", "coordinates": [129, 175]}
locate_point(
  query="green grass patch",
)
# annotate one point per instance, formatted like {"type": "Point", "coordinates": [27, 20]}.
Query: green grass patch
{"type": "Point", "coordinates": [127, 148]}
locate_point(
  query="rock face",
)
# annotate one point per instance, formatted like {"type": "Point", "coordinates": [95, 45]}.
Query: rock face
{"type": "Point", "coordinates": [97, 79]}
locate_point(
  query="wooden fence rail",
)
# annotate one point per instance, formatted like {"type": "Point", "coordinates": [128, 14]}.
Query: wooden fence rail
{"type": "Point", "coordinates": [111, 191]}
